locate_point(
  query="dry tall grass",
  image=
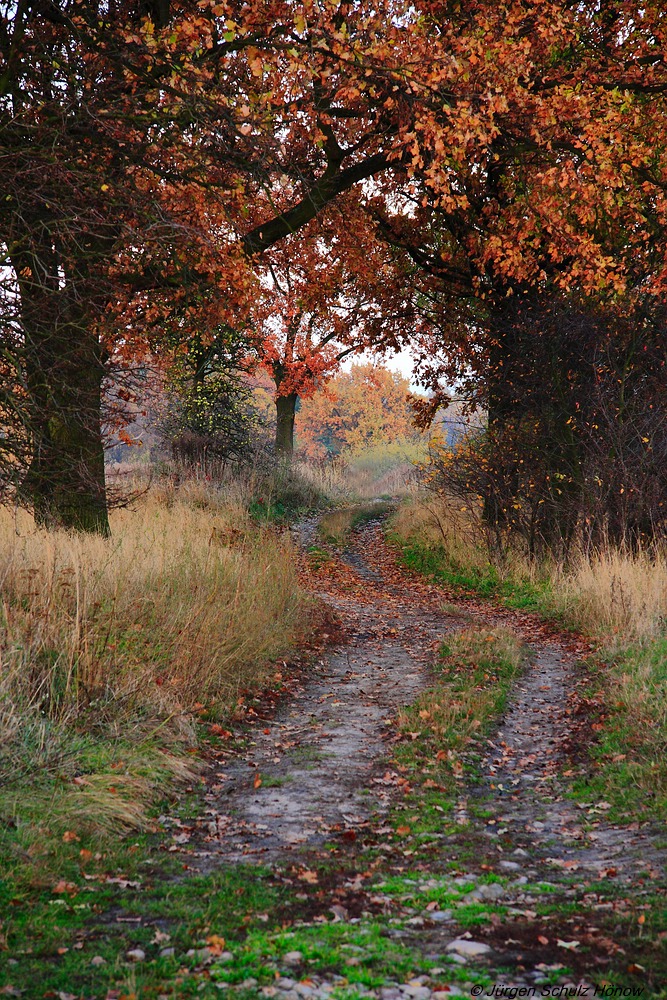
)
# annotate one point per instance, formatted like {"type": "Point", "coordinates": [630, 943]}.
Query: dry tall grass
{"type": "Point", "coordinates": [606, 594]}
{"type": "Point", "coordinates": [114, 642]}
{"type": "Point", "coordinates": [439, 522]}
{"type": "Point", "coordinates": [615, 592]}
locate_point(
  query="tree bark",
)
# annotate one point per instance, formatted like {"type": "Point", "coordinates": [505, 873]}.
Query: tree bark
{"type": "Point", "coordinates": [285, 413]}
{"type": "Point", "coordinates": [65, 483]}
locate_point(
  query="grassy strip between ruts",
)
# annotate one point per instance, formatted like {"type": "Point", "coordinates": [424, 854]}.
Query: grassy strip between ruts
{"type": "Point", "coordinates": [441, 730]}
{"type": "Point", "coordinates": [335, 527]}
{"type": "Point", "coordinates": [618, 600]}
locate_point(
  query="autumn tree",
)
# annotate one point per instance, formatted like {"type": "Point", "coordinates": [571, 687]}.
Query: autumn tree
{"type": "Point", "coordinates": [84, 234]}
{"type": "Point", "coordinates": [191, 140]}
{"type": "Point", "coordinates": [366, 406]}
{"type": "Point", "coordinates": [339, 294]}
{"type": "Point", "coordinates": [551, 227]}
{"type": "Point", "coordinates": [144, 152]}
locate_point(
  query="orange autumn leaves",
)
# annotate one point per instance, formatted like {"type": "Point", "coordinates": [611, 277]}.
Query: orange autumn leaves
{"type": "Point", "coordinates": [361, 408]}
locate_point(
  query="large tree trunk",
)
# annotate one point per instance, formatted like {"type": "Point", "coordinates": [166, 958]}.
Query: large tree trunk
{"type": "Point", "coordinates": [285, 413]}
{"type": "Point", "coordinates": [64, 484]}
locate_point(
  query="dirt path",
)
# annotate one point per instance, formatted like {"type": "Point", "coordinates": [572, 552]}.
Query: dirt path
{"type": "Point", "coordinates": [308, 774]}
{"type": "Point", "coordinates": [317, 772]}
{"type": "Point", "coordinates": [526, 790]}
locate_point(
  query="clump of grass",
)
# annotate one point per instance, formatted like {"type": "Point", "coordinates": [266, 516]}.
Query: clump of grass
{"type": "Point", "coordinates": [614, 593]}
{"type": "Point", "coordinates": [109, 648]}
{"type": "Point", "coordinates": [475, 673]}
{"type": "Point", "coordinates": [630, 765]}
{"type": "Point", "coordinates": [336, 526]}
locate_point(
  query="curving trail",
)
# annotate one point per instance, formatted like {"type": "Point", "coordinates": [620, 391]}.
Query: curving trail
{"type": "Point", "coordinates": [317, 758]}
{"type": "Point", "coordinates": [319, 770]}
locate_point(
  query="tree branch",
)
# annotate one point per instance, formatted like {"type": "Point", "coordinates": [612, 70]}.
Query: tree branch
{"type": "Point", "coordinates": [328, 187]}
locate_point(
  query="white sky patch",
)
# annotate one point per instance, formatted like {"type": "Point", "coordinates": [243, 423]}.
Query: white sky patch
{"type": "Point", "coordinates": [402, 362]}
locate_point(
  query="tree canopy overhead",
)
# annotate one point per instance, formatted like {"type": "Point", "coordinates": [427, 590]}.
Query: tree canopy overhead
{"type": "Point", "coordinates": [156, 158]}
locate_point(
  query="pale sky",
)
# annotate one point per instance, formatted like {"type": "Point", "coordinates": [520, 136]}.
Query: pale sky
{"type": "Point", "coordinates": [401, 362]}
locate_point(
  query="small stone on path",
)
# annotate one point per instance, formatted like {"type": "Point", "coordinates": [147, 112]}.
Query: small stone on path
{"type": "Point", "coordinates": [468, 949]}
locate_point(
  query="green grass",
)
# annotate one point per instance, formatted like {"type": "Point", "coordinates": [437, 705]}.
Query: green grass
{"type": "Point", "coordinates": [485, 581]}
{"type": "Point", "coordinates": [629, 755]}
{"type": "Point", "coordinates": [97, 920]}
{"type": "Point", "coordinates": [326, 949]}
{"type": "Point", "coordinates": [474, 674]}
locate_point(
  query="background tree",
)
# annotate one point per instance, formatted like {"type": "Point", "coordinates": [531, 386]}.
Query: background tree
{"type": "Point", "coordinates": [340, 294]}
{"type": "Point", "coordinates": [208, 419]}
{"type": "Point", "coordinates": [359, 409]}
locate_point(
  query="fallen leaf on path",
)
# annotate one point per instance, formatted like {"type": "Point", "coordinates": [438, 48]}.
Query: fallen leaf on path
{"type": "Point", "coordinates": [215, 944]}
{"type": "Point", "coordinates": [569, 945]}
{"type": "Point", "coordinates": [65, 887]}
{"type": "Point", "coordinates": [257, 780]}
{"type": "Point", "coordinates": [308, 876]}
{"type": "Point", "coordinates": [218, 730]}
{"type": "Point", "coordinates": [560, 863]}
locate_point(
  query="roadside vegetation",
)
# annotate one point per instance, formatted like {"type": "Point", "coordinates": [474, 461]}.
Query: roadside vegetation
{"type": "Point", "coordinates": [113, 650]}
{"type": "Point", "coordinates": [616, 598]}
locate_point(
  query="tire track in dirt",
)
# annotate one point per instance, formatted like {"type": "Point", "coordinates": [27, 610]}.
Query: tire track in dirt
{"type": "Point", "coordinates": [308, 773]}
{"type": "Point", "coordinates": [314, 773]}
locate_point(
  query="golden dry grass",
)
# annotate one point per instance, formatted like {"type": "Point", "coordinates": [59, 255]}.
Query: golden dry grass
{"type": "Point", "coordinates": [108, 646]}
{"type": "Point", "coordinates": [185, 599]}
{"type": "Point", "coordinates": [607, 593]}
{"type": "Point", "coordinates": [615, 592]}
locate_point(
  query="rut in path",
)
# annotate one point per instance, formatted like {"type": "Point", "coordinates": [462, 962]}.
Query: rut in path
{"type": "Point", "coordinates": [525, 790]}
{"type": "Point", "coordinates": [318, 758]}
{"type": "Point", "coordinates": [322, 765]}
